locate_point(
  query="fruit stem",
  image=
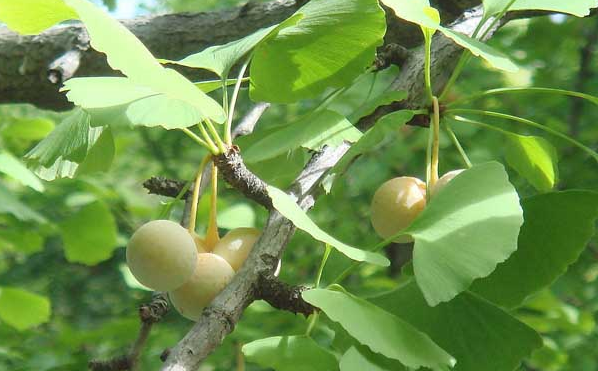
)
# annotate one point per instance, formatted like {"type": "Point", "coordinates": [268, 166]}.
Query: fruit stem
{"type": "Point", "coordinates": [435, 142]}
{"type": "Point", "coordinates": [312, 323]}
{"type": "Point", "coordinates": [322, 265]}
{"type": "Point", "coordinates": [219, 142]}
{"type": "Point", "coordinates": [457, 144]}
{"type": "Point", "coordinates": [212, 236]}
{"type": "Point", "coordinates": [204, 133]}
{"type": "Point", "coordinates": [233, 101]}
{"type": "Point", "coordinates": [195, 199]}
{"type": "Point", "coordinates": [210, 146]}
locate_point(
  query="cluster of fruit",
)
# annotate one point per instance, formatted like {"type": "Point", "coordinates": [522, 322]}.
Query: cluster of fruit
{"type": "Point", "coordinates": [399, 201]}
{"type": "Point", "coordinates": [164, 256]}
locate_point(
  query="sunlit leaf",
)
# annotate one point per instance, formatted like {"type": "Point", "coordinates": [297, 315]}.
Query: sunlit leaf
{"type": "Point", "coordinates": [12, 167]}
{"type": "Point", "coordinates": [478, 334]}
{"type": "Point", "coordinates": [100, 155]}
{"type": "Point", "coordinates": [468, 227]}
{"type": "Point", "coordinates": [312, 131]}
{"type": "Point", "coordinates": [494, 57]}
{"type": "Point", "coordinates": [127, 54]}
{"type": "Point", "coordinates": [221, 58]}
{"type": "Point", "coordinates": [359, 360]}
{"type": "Point", "coordinates": [30, 17]}
{"type": "Point", "coordinates": [316, 52]}
{"type": "Point", "coordinates": [557, 228]}
{"type": "Point", "coordinates": [290, 353]}
{"type": "Point", "coordinates": [22, 309]}
{"type": "Point", "coordinates": [289, 209]}
{"type": "Point", "coordinates": [534, 158]}
{"type": "Point", "coordinates": [89, 235]}
{"type": "Point", "coordinates": [68, 140]}
{"type": "Point", "coordinates": [381, 331]}
{"type": "Point", "coordinates": [580, 8]}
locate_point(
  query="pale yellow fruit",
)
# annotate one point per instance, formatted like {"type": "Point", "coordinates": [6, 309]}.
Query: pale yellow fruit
{"type": "Point", "coordinates": [161, 255]}
{"type": "Point", "coordinates": [236, 245]}
{"type": "Point", "coordinates": [443, 180]}
{"type": "Point", "coordinates": [396, 204]}
{"type": "Point", "coordinates": [200, 244]}
{"type": "Point", "coordinates": [212, 274]}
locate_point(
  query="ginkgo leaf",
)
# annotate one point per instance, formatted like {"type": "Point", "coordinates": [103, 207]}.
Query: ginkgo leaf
{"type": "Point", "coordinates": [30, 17]}
{"type": "Point", "coordinates": [548, 243]}
{"type": "Point", "coordinates": [380, 330]}
{"type": "Point", "coordinates": [466, 229]}
{"type": "Point", "coordinates": [290, 353]}
{"type": "Point", "coordinates": [126, 53]}
{"type": "Point", "coordinates": [580, 8]}
{"type": "Point", "coordinates": [312, 131]}
{"type": "Point", "coordinates": [534, 158]}
{"type": "Point", "coordinates": [478, 334]}
{"type": "Point", "coordinates": [89, 235]}
{"type": "Point", "coordinates": [221, 58]}
{"type": "Point", "coordinates": [315, 53]}
{"type": "Point", "coordinates": [23, 309]}
{"type": "Point", "coordinates": [12, 167]}
{"type": "Point", "coordinates": [290, 210]}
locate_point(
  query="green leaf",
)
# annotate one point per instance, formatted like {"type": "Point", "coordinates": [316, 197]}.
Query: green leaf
{"type": "Point", "coordinates": [469, 227]}
{"type": "Point", "coordinates": [30, 17]}
{"type": "Point", "coordinates": [333, 42]}
{"type": "Point", "coordinates": [557, 228]}
{"type": "Point", "coordinates": [23, 240]}
{"type": "Point", "coordinates": [127, 54]}
{"type": "Point", "coordinates": [100, 155]}
{"type": "Point", "coordinates": [221, 58]}
{"type": "Point", "coordinates": [360, 360]}
{"type": "Point", "coordinates": [236, 216]}
{"type": "Point", "coordinates": [68, 140]}
{"type": "Point", "coordinates": [97, 92]}
{"type": "Point", "coordinates": [290, 353]}
{"type": "Point", "coordinates": [25, 128]}
{"type": "Point", "coordinates": [23, 309]}
{"type": "Point", "coordinates": [495, 58]}
{"type": "Point", "coordinates": [381, 331]}
{"type": "Point", "coordinates": [290, 210]}
{"type": "Point", "coordinates": [10, 204]}
{"type": "Point", "coordinates": [534, 158]}
{"type": "Point", "coordinates": [312, 131]}
{"type": "Point", "coordinates": [580, 8]}
{"type": "Point", "coordinates": [478, 334]}
{"type": "Point", "coordinates": [211, 85]}
{"type": "Point", "coordinates": [371, 138]}
{"type": "Point", "coordinates": [413, 11]}
{"type": "Point", "coordinates": [12, 167]}
{"type": "Point", "coordinates": [89, 235]}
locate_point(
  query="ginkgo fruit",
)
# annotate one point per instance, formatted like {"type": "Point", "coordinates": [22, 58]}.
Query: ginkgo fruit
{"type": "Point", "coordinates": [396, 204]}
{"type": "Point", "coordinates": [161, 255]}
{"type": "Point", "coordinates": [212, 274]}
{"type": "Point", "coordinates": [444, 180]}
{"type": "Point", "coordinates": [236, 245]}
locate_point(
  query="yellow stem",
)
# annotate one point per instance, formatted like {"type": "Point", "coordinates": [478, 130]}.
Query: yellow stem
{"type": "Point", "coordinates": [435, 143]}
{"type": "Point", "coordinates": [212, 236]}
{"type": "Point", "coordinates": [213, 147]}
{"type": "Point", "coordinates": [195, 199]}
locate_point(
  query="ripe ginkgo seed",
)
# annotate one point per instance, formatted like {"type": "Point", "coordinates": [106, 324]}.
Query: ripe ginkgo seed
{"type": "Point", "coordinates": [444, 180]}
{"type": "Point", "coordinates": [212, 274]}
{"type": "Point", "coordinates": [161, 255]}
{"type": "Point", "coordinates": [396, 204]}
{"type": "Point", "coordinates": [236, 245]}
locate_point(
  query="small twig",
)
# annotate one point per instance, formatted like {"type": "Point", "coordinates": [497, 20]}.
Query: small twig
{"type": "Point", "coordinates": [149, 314]}
{"type": "Point", "coordinates": [281, 295]}
{"type": "Point", "coordinates": [235, 172]}
{"type": "Point", "coordinates": [159, 185]}
{"type": "Point", "coordinates": [247, 124]}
